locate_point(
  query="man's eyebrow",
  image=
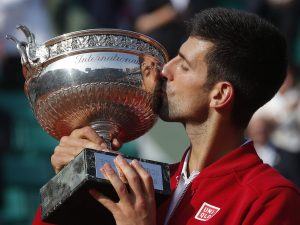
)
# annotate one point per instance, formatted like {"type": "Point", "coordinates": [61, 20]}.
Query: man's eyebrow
{"type": "Point", "coordinates": [184, 58]}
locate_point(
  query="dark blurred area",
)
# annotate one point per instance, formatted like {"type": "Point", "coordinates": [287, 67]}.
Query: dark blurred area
{"type": "Point", "coordinates": [25, 149]}
{"type": "Point", "coordinates": [275, 128]}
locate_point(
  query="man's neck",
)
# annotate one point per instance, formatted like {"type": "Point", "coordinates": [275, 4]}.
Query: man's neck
{"type": "Point", "coordinates": [210, 142]}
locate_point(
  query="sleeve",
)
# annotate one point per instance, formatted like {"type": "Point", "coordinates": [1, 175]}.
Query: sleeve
{"type": "Point", "coordinates": [38, 218]}
{"type": "Point", "coordinates": [279, 206]}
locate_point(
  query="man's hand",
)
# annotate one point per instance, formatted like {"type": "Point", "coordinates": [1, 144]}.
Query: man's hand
{"type": "Point", "coordinates": [70, 146]}
{"type": "Point", "coordinates": [137, 203]}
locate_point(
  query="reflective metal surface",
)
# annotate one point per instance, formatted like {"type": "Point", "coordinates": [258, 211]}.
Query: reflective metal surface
{"type": "Point", "coordinates": [105, 78]}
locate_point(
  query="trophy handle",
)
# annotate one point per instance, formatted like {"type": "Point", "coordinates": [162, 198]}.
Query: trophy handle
{"type": "Point", "coordinates": [107, 130]}
{"type": "Point", "coordinates": [27, 49]}
{"type": "Point", "coordinates": [28, 34]}
{"type": "Point", "coordinates": [32, 54]}
{"type": "Point", "coordinates": [21, 47]}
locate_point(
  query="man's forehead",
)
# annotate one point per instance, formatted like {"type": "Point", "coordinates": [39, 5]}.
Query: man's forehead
{"type": "Point", "coordinates": [199, 43]}
{"type": "Point", "coordinates": [195, 48]}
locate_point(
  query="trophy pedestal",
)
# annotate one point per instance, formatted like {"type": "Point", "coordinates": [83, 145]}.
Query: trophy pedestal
{"type": "Point", "coordinates": [65, 198]}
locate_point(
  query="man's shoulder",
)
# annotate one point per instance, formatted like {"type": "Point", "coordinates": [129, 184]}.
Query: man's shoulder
{"type": "Point", "coordinates": [264, 178]}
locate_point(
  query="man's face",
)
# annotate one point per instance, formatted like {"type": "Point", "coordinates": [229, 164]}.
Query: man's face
{"type": "Point", "coordinates": [184, 97]}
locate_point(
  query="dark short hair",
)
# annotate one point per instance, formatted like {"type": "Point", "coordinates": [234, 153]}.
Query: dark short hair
{"type": "Point", "coordinates": [248, 52]}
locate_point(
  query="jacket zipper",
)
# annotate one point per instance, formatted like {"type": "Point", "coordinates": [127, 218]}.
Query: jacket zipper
{"type": "Point", "coordinates": [177, 203]}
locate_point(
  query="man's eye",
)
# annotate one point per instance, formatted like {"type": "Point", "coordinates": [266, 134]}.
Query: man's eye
{"type": "Point", "coordinates": [184, 68]}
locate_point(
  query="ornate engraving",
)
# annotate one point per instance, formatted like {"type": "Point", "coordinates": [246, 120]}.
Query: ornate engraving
{"type": "Point", "coordinates": [104, 41]}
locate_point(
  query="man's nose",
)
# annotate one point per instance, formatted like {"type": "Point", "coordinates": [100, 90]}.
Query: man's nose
{"type": "Point", "coordinates": [166, 72]}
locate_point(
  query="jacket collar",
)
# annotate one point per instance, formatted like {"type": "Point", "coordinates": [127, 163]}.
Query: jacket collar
{"type": "Point", "coordinates": [241, 158]}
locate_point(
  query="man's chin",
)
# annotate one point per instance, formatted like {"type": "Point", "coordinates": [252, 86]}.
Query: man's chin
{"type": "Point", "coordinates": [165, 113]}
{"type": "Point", "coordinates": [165, 116]}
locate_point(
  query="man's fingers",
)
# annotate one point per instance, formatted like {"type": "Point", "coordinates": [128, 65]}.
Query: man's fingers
{"type": "Point", "coordinates": [105, 201]}
{"type": "Point", "coordinates": [69, 141]}
{"type": "Point", "coordinates": [87, 133]}
{"type": "Point", "coordinates": [60, 160]}
{"type": "Point", "coordinates": [145, 177]}
{"type": "Point", "coordinates": [90, 136]}
{"type": "Point", "coordinates": [116, 182]}
{"type": "Point", "coordinates": [116, 144]}
{"type": "Point", "coordinates": [132, 177]}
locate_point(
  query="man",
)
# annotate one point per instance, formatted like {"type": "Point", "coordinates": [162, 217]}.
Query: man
{"type": "Point", "coordinates": [231, 64]}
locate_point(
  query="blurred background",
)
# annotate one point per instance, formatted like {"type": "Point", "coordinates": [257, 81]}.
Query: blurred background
{"type": "Point", "coordinates": [25, 149]}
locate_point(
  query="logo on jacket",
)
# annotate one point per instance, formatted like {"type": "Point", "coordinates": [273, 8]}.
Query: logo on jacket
{"type": "Point", "coordinates": [206, 212]}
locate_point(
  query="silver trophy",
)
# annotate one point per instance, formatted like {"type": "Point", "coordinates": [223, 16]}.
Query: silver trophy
{"type": "Point", "coordinates": [105, 78]}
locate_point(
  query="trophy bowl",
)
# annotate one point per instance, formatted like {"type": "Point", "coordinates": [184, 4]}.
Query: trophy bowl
{"type": "Point", "coordinates": [108, 79]}
{"type": "Point", "coordinates": [105, 78]}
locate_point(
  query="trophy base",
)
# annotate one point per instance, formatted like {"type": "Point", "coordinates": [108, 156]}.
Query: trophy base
{"type": "Point", "coordinates": [65, 198]}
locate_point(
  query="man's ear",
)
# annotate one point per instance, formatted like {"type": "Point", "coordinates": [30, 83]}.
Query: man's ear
{"type": "Point", "coordinates": [222, 95]}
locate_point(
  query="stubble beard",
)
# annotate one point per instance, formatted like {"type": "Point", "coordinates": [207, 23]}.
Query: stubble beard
{"type": "Point", "coordinates": [169, 111]}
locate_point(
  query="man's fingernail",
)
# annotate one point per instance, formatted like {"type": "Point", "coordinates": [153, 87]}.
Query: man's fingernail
{"type": "Point", "coordinates": [135, 162]}
{"type": "Point", "coordinates": [120, 159]}
{"type": "Point", "coordinates": [108, 169]}
{"type": "Point", "coordinates": [103, 172]}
